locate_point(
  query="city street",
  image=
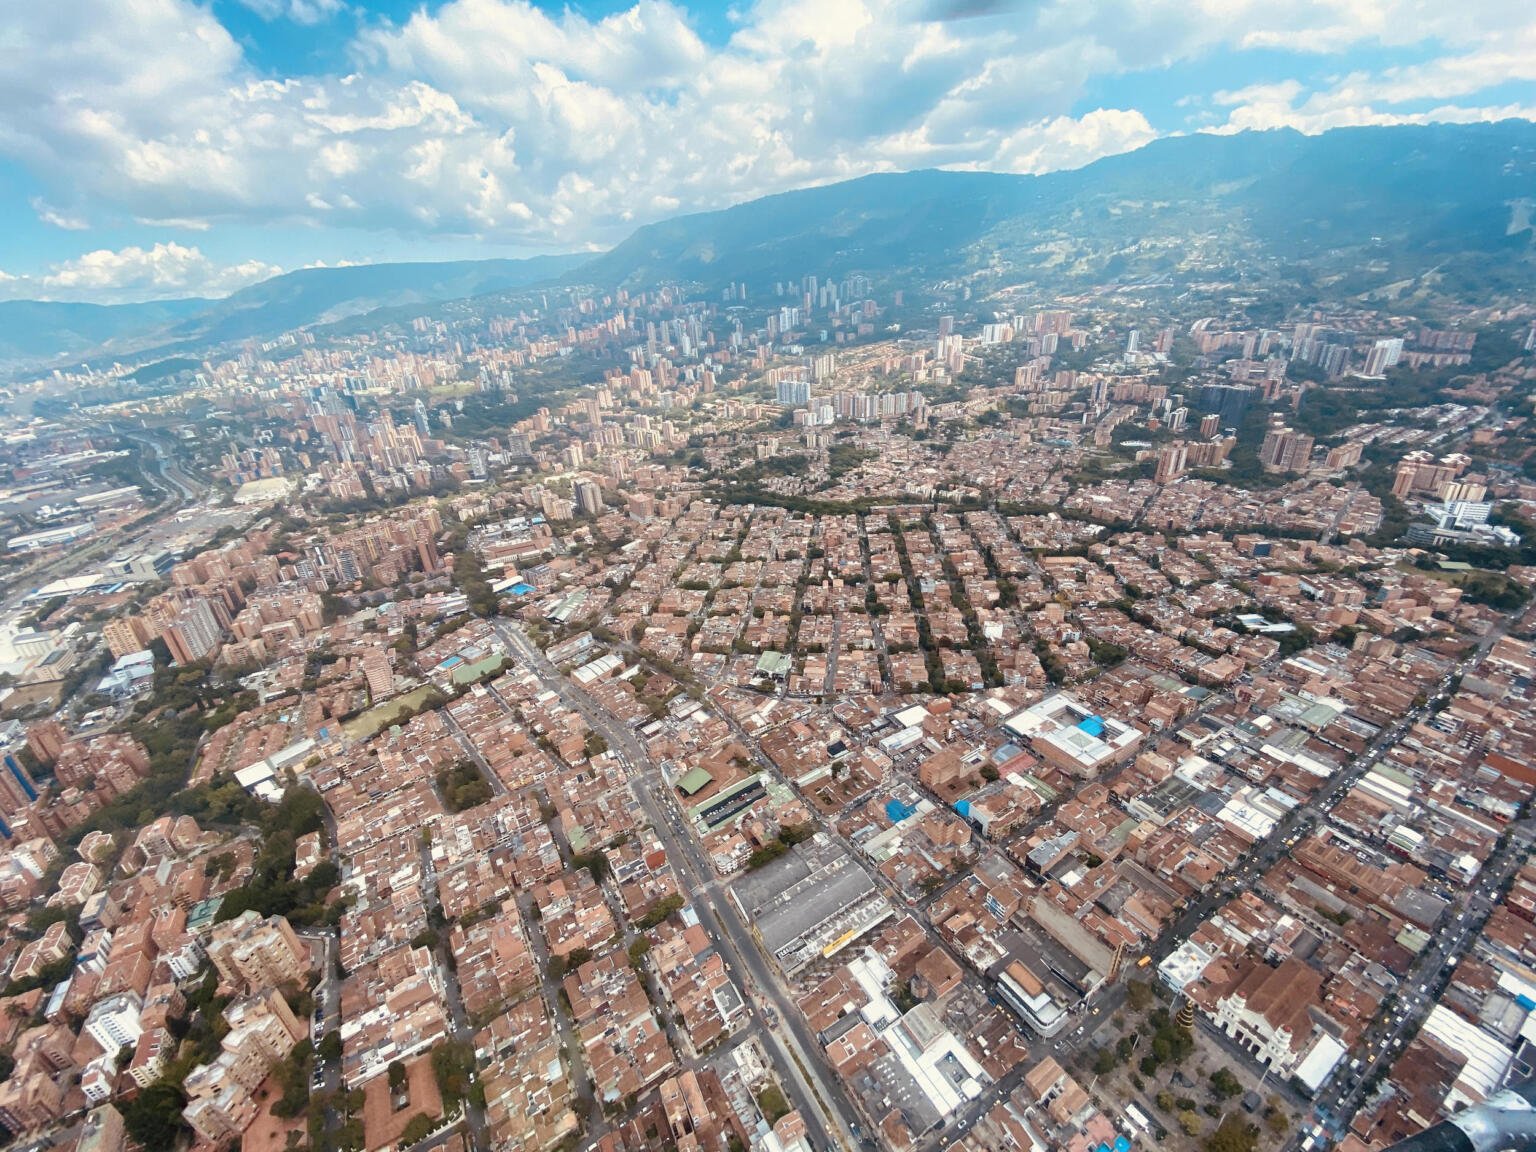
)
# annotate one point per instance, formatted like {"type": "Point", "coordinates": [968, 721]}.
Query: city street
{"type": "Point", "coordinates": [817, 1095]}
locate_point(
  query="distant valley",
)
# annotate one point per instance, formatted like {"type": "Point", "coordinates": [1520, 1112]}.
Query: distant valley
{"type": "Point", "coordinates": [1400, 213]}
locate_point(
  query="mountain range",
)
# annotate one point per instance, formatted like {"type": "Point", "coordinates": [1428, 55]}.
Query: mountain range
{"type": "Point", "coordinates": [1398, 212]}
{"type": "Point", "coordinates": [32, 330]}
{"type": "Point", "coordinates": [1356, 208]}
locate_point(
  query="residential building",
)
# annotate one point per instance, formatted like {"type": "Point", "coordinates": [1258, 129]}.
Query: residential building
{"type": "Point", "coordinates": [255, 953]}
{"type": "Point", "coordinates": [114, 1022]}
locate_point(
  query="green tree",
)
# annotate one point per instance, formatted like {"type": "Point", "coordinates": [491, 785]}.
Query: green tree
{"type": "Point", "coordinates": [416, 1129]}
{"type": "Point", "coordinates": [463, 786]}
{"type": "Point", "coordinates": [594, 862]}
{"type": "Point", "coordinates": [1224, 1084]}
{"type": "Point", "coordinates": [153, 1117]}
{"type": "Point", "coordinates": [453, 1062]}
{"type": "Point", "coordinates": [792, 834]}
{"type": "Point", "coordinates": [771, 1101]}
{"type": "Point", "coordinates": [1234, 1134]}
{"type": "Point", "coordinates": [271, 888]}
{"type": "Point", "coordinates": [659, 912]}
{"type": "Point", "coordinates": [768, 853]}
{"type": "Point", "coordinates": [293, 1075]}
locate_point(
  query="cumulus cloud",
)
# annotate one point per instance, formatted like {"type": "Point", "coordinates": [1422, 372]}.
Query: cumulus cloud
{"type": "Point", "coordinates": [1067, 143]}
{"type": "Point", "coordinates": [499, 119]}
{"type": "Point", "coordinates": [1438, 90]}
{"type": "Point", "coordinates": [161, 272]}
{"type": "Point", "coordinates": [1316, 115]}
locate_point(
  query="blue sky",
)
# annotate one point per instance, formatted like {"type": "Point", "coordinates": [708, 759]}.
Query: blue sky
{"type": "Point", "coordinates": [159, 148]}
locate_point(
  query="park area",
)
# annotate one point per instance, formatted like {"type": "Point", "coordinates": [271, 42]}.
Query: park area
{"type": "Point", "coordinates": [1190, 1081]}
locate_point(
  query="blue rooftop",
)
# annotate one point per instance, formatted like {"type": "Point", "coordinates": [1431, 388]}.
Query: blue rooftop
{"type": "Point", "coordinates": [897, 811]}
{"type": "Point", "coordinates": [1093, 725]}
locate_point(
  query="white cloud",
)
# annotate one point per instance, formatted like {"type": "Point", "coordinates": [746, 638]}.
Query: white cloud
{"type": "Point", "coordinates": [185, 223]}
{"type": "Point", "coordinates": [495, 118]}
{"type": "Point", "coordinates": [52, 216]}
{"type": "Point", "coordinates": [1067, 143]}
{"type": "Point", "coordinates": [1439, 90]}
{"type": "Point", "coordinates": [1313, 117]}
{"type": "Point", "coordinates": [299, 11]}
{"type": "Point", "coordinates": [163, 271]}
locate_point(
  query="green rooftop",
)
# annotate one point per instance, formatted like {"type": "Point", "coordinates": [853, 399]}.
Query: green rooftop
{"type": "Point", "coordinates": [774, 664]}
{"type": "Point", "coordinates": [469, 673]}
{"type": "Point", "coordinates": [694, 780]}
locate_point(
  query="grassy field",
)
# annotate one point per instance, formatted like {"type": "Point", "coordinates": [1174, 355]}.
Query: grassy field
{"type": "Point", "coordinates": [1498, 590]}
{"type": "Point", "coordinates": [454, 388]}
{"type": "Point", "coordinates": [377, 719]}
